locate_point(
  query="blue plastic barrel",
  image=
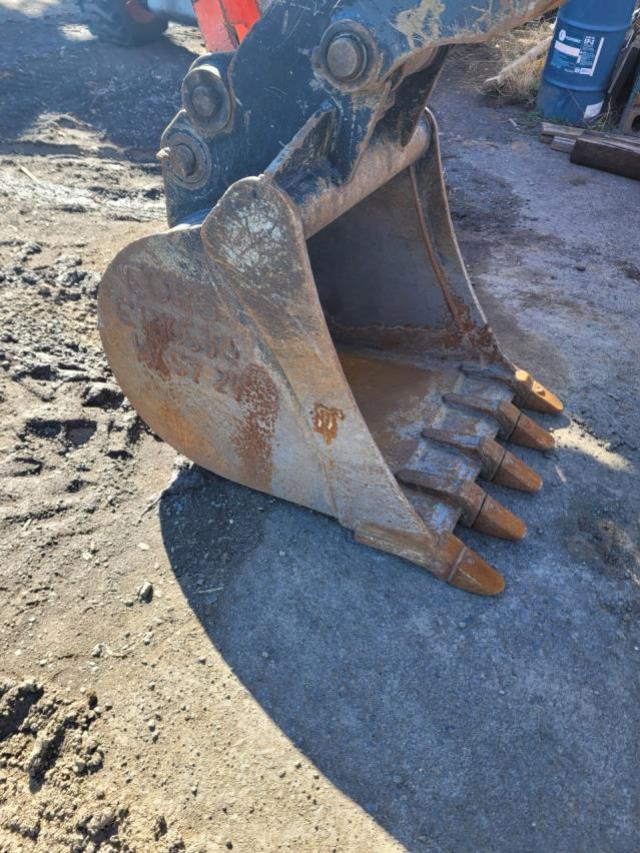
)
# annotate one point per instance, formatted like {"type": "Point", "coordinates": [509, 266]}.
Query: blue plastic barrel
{"type": "Point", "coordinates": [586, 42]}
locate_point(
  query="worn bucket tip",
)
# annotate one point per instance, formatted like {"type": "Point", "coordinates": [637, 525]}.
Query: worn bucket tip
{"type": "Point", "coordinates": [497, 520]}
{"type": "Point", "coordinates": [471, 573]}
{"type": "Point", "coordinates": [539, 398]}
{"type": "Point", "coordinates": [543, 400]}
{"type": "Point", "coordinates": [528, 433]}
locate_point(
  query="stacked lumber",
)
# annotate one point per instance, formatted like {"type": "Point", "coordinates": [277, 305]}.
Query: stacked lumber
{"type": "Point", "coordinates": [595, 148]}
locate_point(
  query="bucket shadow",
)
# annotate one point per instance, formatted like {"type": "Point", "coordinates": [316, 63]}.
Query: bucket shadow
{"type": "Point", "coordinates": [457, 723]}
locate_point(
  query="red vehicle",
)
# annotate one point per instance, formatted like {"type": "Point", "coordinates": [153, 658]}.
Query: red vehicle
{"type": "Point", "coordinates": [223, 23]}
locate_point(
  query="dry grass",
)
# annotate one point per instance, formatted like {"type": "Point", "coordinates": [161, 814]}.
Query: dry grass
{"type": "Point", "coordinates": [518, 83]}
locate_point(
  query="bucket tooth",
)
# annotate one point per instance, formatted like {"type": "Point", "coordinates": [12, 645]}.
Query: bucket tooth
{"type": "Point", "coordinates": [498, 465]}
{"type": "Point", "coordinates": [514, 425]}
{"type": "Point", "coordinates": [528, 433]}
{"type": "Point", "coordinates": [531, 394]}
{"type": "Point", "coordinates": [528, 392]}
{"type": "Point", "coordinates": [497, 520]}
{"type": "Point", "coordinates": [478, 510]}
{"type": "Point", "coordinates": [486, 451]}
{"type": "Point", "coordinates": [504, 412]}
{"type": "Point", "coordinates": [514, 473]}
{"type": "Point", "coordinates": [467, 570]}
{"type": "Point", "coordinates": [465, 495]}
{"type": "Point", "coordinates": [444, 555]}
{"type": "Point", "coordinates": [491, 456]}
{"type": "Point", "coordinates": [504, 468]}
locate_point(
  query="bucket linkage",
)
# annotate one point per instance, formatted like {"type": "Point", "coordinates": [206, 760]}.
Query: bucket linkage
{"type": "Point", "coordinates": [307, 327]}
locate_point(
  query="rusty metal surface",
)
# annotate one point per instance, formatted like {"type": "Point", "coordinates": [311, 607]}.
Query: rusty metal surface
{"type": "Point", "coordinates": [233, 363]}
{"type": "Point", "coordinates": [314, 334]}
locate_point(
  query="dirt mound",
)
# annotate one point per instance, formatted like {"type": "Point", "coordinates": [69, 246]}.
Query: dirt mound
{"type": "Point", "coordinates": [50, 751]}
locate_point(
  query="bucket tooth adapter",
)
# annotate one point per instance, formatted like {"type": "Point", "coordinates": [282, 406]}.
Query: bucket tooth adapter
{"type": "Point", "coordinates": [306, 326]}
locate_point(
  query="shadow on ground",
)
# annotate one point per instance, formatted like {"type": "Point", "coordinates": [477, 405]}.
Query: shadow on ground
{"type": "Point", "coordinates": [126, 95]}
{"type": "Point", "coordinates": [457, 723]}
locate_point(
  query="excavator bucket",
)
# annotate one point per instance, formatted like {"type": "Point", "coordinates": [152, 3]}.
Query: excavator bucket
{"type": "Point", "coordinates": [307, 327]}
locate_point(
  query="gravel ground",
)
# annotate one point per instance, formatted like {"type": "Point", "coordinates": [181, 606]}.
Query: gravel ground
{"type": "Point", "coordinates": [187, 665]}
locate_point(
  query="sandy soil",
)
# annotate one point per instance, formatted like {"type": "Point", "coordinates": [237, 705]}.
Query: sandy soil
{"type": "Point", "coordinates": [123, 723]}
{"type": "Point", "coordinates": [119, 728]}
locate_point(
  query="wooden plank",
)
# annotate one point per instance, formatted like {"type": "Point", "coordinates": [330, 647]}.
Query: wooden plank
{"type": "Point", "coordinates": [549, 131]}
{"type": "Point", "coordinates": [561, 143]}
{"type": "Point", "coordinates": [615, 140]}
{"type": "Point", "coordinates": [617, 158]}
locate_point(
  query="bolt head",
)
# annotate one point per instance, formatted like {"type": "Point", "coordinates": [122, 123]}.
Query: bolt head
{"type": "Point", "coordinates": [182, 161]}
{"type": "Point", "coordinates": [346, 57]}
{"type": "Point", "coordinates": [205, 100]}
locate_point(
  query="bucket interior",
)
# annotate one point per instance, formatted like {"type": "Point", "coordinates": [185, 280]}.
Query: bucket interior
{"type": "Point", "coordinates": [396, 338]}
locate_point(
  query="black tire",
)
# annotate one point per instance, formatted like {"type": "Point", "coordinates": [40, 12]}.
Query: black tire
{"type": "Point", "coordinates": [112, 21]}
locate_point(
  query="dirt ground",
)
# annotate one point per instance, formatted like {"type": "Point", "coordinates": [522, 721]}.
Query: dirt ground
{"type": "Point", "coordinates": [187, 665]}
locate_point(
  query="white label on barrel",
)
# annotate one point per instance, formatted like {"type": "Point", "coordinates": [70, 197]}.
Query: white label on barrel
{"type": "Point", "coordinates": [593, 110]}
{"type": "Point", "coordinates": [589, 55]}
{"type": "Point", "coordinates": [581, 57]}
{"type": "Point", "coordinates": [566, 48]}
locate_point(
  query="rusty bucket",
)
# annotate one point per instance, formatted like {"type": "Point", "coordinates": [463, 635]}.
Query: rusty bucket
{"type": "Point", "coordinates": [327, 347]}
